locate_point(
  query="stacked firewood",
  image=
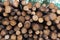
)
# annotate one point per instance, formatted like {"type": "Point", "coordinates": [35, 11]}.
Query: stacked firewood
{"type": "Point", "coordinates": [24, 21]}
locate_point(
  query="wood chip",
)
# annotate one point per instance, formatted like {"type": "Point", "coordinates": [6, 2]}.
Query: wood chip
{"type": "Point", "coordinates": [11, 31]}
{"type": "Point", "coordinates": [49, 23]}
{"type": "Point", "coordinates": [37, 32]}
{"type": "Point", "coordinates": [30, 31]}
{"type": "Point", "coordinates": [58, 18]}
{"type": "Point", "coordinates": [37, 5]}
{"type": "Point", "coordinates": [9, 27]}
{"type": "Point", "coordinates": [5, 14]}
{"type": "Point", "coordinates": [27, 24]}
{"type": "Point", "coordinates": [54, 36]}
{"type": "Point", "coordinates": [0, 9]}
{"type": "Point", "coordinates": [12, 22]}
{"type": "Point", "coordinates": [25, 35]}
{"type": "Point", "coordinates": [56, 21]}
{"type": "Point", "coordinates": [44, 5]}
{"type": "Point", "coordinates": [30, 35]}
{"type": "Point", "coordinates": [19, 37]}
{"type": "Point", "coordinates": [51, 5]}
{"type": "Point", "coordinates": [35, 17]}
{"type": "Point", "coordinates": [35, 27]}
{"type": "Point", "coordinates": [6, 36]}
{"type": "Point", "coordinates": [25, 8]}
{"type": "Point", "coordinates": [16, 28]}
{"type": "Point", "coordinates": [29, 5]}
{"type": "Point", "coordinates": [33, 8]}
{"type": "Point", "coordinates": [39, 14]}
{"type": "Point", "coordinates": [6, 3]}
{"type": "Point", "coordinates": [23, 2]}
{"type": "Point", "coordinates": [54, 10]}
{"type": "Point", "coordinates": [33, 13]}
{"type": "Point", "coordinates": [15, 3]}
{"type": "Point", "coordinates": [27, 17]}
{"type": "Point", "coordinates": [53, 16]}
{"type": "Point", "coordinates": [18, 13]}
{"type": "Point", "coordinates": [7, 10]}
{"type": "Point", "coordinates": [13, 37]}
{"type": "Point", "coordinates": [5, 22]}
{"type": "Point", "coordinates": [41, 39]}
{"type": "Point", "coordinates": [59, 35]}
{"type": "Point", "coordinates": [11, 17]}
{"type": "Point", "coordinates": [15, 17]}
{"type": "Point", "coordinates": [21, 18]}
{"type": "Point", "coordinates": [40, 20]}
{"type": "Point", "coordinates": [35, 36]}
{"type": "Point", "coordinates": [3, 32]}
{"type": "Point", "coordinates": [43, 9]}
{"type": "Point", "coordinates": [52, 27]}
{"type": "Point", "coordinates": [18, 32]}
{"type": "Point", "coordinates": [41, 32]}
{"type": "Point", "coordinates": [24, 30]}
{"type": "Point", "coordinates": [23, 13]}
{"type": "Point", "coordinates": [20, 25]}
{"type": "Point", "coordinates": [46, 18]}
{"type": "Point", "coordinates": [47, 32]}
{"type": "Point", "coordinates": [58, 11]}
{"type": "Point", "coordinates": [58, 26]}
